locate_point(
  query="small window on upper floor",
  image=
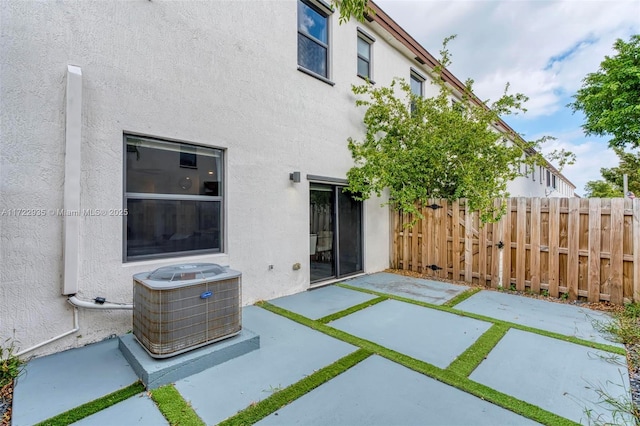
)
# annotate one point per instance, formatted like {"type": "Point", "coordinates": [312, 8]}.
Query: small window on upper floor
{"type": "Point", "coordinates": [364, 56]}
{"type": "Point", "coordinates": [553, 181]}
{"type": "Point", "coordinates": [541, 176]}
{"type": "Point", "coordinates": [548, 178]}
{"type": "Point", "coordinates": [416, 83]}
{"type": "Point", "coordinates": [313, 39]}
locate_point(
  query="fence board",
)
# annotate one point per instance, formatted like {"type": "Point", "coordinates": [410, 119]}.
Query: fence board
{"type": "Point", "coordinates": [535, 245]}
{"type": "Point", "coordinates": [615, 282]}
{"type": "Point", "coordinates": [468, 243]}
{"type": "Point", "coordinates": [554, 240]}
{"type": "Point", "coordinates": [521, 231]}
{"type": "Point", "coordinates": [443, 261]}
{"type": "Point", "coordinates": [455, 239]}
{"type": "Point", "coordinates": [585, 248]}
{"type": "Point", "coordinates": [496, 252]}
{"type": "Point", "coordinates": [636, 248]}
{"type": "Point", "coordinates": [573, 237]}
{"type": "Point", "coordinates": [414, 244]}
{"type": "Point", "coordinates": [482, 254]}
{"type": "Point", "coordinates": [506, 251]}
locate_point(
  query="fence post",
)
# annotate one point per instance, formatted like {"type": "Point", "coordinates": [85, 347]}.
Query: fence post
{"type": "Point", "coordinates": [468, 243]}
{"type": "Point", "coordinates": [617, 220]}
{"type": "Point", "coordinates": [535, 245]}
{"type": "Point", "coordinates": [636, 249]}
{"type": "Point", "coordinates": [573, 241]}
{"type": "Point", "coordinates": [595, 224]}
{"type": "Point", "coordinates": [554, 241]}
{"type": "Point", "coordinates": [521, 237]}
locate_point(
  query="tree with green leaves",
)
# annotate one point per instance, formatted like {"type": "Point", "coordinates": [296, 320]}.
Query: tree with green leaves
{"type": "Point", "coordinates": [612, 184]}
{"type": "Point", "coordinates": [610, 97]}
{"type": "Point", "coordinates": [420, 148]}
{"type": "Point", "coordinates": [356, 9]}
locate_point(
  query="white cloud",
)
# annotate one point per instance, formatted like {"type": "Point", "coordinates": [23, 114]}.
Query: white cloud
{"type": "Point", "coordinates": [514, 41]}
{"type": "Point", "coordinates": [591, 156]}
{"type": "Point", "coordinates": [543, 48]}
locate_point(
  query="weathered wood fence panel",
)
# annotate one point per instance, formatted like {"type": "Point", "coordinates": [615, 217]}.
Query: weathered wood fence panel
{"type": "Point", "coordinates": [564, 247]}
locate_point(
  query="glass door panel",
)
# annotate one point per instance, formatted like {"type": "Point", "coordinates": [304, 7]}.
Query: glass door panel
{"type": "Point", "coordinates": [349, 250]}
{"type": "Point", "coordinates": [321, 232]}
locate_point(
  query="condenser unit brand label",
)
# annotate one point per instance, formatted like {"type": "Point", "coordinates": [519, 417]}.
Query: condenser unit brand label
{"type": "Point", "coordinates": [206, 295]}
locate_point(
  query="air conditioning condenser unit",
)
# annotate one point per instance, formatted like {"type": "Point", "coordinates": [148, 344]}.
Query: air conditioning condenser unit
{"type": "Point", "coordinates": [183, 307]}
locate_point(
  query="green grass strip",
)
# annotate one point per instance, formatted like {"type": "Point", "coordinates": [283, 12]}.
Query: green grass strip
{"type": "Point", "coordinates": [92, 407]}
{"type": "Point", "coordinates": [446, 376]}
{"type": "Point", "coordinates": [174, 408]}
{"type": "Point", "coordinates": [572, 339]}
{"type": "Point", "coordinates": [462, 297]}
{"type": "Point", "coordinates": [285, 396]}
{"type": "Point", "coordinates": [349, 311]}
{"type": "Point", "coordinates": [467, 361]}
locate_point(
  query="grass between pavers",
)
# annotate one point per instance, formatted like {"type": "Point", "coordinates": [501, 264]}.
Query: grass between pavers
{"type": "Point", "coordinates": [174, 408]}
{"type": "Point", "coordinates": [279, 399]}
{"type": "Point", "coordinates": [461, 297]}
{"type": "Point", "coordinates": [449, 377]}
{"type": "Point", "coordinates": [92, 407]}
{"type": "Point", "coordinates": [558, 336]}
{"type": "Point", "coordinates": [467, 361]}
{"type": "Point", "coordinates": [349, 311]}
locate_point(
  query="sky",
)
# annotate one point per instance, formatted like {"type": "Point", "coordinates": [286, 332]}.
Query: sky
{"type": "Point", "coordinates": [543, 48]}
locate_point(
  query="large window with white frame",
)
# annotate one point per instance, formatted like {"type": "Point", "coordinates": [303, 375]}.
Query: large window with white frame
{"type": "Point", "coordinates": [174, 199]}
{"type": "Point", "coordinates": [313, 38]}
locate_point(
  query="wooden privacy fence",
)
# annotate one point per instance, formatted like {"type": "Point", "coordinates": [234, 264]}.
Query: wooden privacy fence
{"type": "Point", "coordinates": [586, 248]}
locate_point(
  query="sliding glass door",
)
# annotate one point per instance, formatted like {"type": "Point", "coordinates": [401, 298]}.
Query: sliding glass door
{"type": "Point", "coordinates": [335, 233]}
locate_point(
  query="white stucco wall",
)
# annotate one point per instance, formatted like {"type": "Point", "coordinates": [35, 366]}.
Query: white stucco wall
{"type": "Point", "coordinates": [220, 74]}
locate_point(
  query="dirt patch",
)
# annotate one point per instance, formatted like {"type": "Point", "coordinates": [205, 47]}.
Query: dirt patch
{"type": "Point", "coordinates": [6, 397]}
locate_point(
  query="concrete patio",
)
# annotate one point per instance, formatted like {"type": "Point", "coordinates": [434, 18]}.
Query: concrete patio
{"type": "Point", "coordinates": [558, 376]}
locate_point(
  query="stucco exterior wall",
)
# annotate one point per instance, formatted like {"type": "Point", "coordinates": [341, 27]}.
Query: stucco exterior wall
{"type": "Point", "coordinates": [220, 74]}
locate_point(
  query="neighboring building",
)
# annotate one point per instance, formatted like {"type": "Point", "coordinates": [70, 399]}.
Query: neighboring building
{"type": "Point", "coordinates": [142, 134]}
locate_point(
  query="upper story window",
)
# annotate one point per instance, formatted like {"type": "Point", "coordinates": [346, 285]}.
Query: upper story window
{"type": "Point", "coordinates": [416, 82]}
{"type": "Point", "coordinates": [313, 39]}
{"type": "Point", "coordinates": [364, 55]}
{"type": "Point", "coordinates": [541, 176]}
{"type": "Point", "coordinates": [174, 199]}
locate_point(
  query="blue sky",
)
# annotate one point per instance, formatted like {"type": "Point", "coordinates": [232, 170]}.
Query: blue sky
{"type": "Point", "coordinates": [543, 48]}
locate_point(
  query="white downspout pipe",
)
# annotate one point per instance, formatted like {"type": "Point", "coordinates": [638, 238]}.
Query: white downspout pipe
{"type": "Point", "coordinates": [72, 176]}
{"type": "Point", "coordinates": [76, 327]}
{"type": "Point", "coordinates": [96, 305]}
{"type": "Point", "coordinates": [71, 200]}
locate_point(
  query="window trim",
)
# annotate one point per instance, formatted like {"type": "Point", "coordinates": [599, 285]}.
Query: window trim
{"type": "Point", "coordinates": [177, 197]}
{"type": "Point", "coordinates": [414, 74]}
{"type": "Point", "coordinates": [364, 36]}
{"type": "Point", "coordinates": [326, 11]}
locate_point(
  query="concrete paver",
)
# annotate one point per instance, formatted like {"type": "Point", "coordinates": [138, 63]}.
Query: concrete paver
{"type": "Point", "coordinates": [557, 376]}
{"type": "Point", "coordinates": [435, 292]}
{"type": "Point", "coordinates": [288, 352]}
{"type": "Point", "coordinates": [557, 317]}
{"type": "Point", "coordinates": [422, 333]}
{"type": "Point", "coordinates": [137, 410]}
{"type": "Point", "coordinates": [54, 384]}
{"type": "Point", "coordinates": [380, 392]}
{"type": "Point", "coordinates": [321, 302]}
